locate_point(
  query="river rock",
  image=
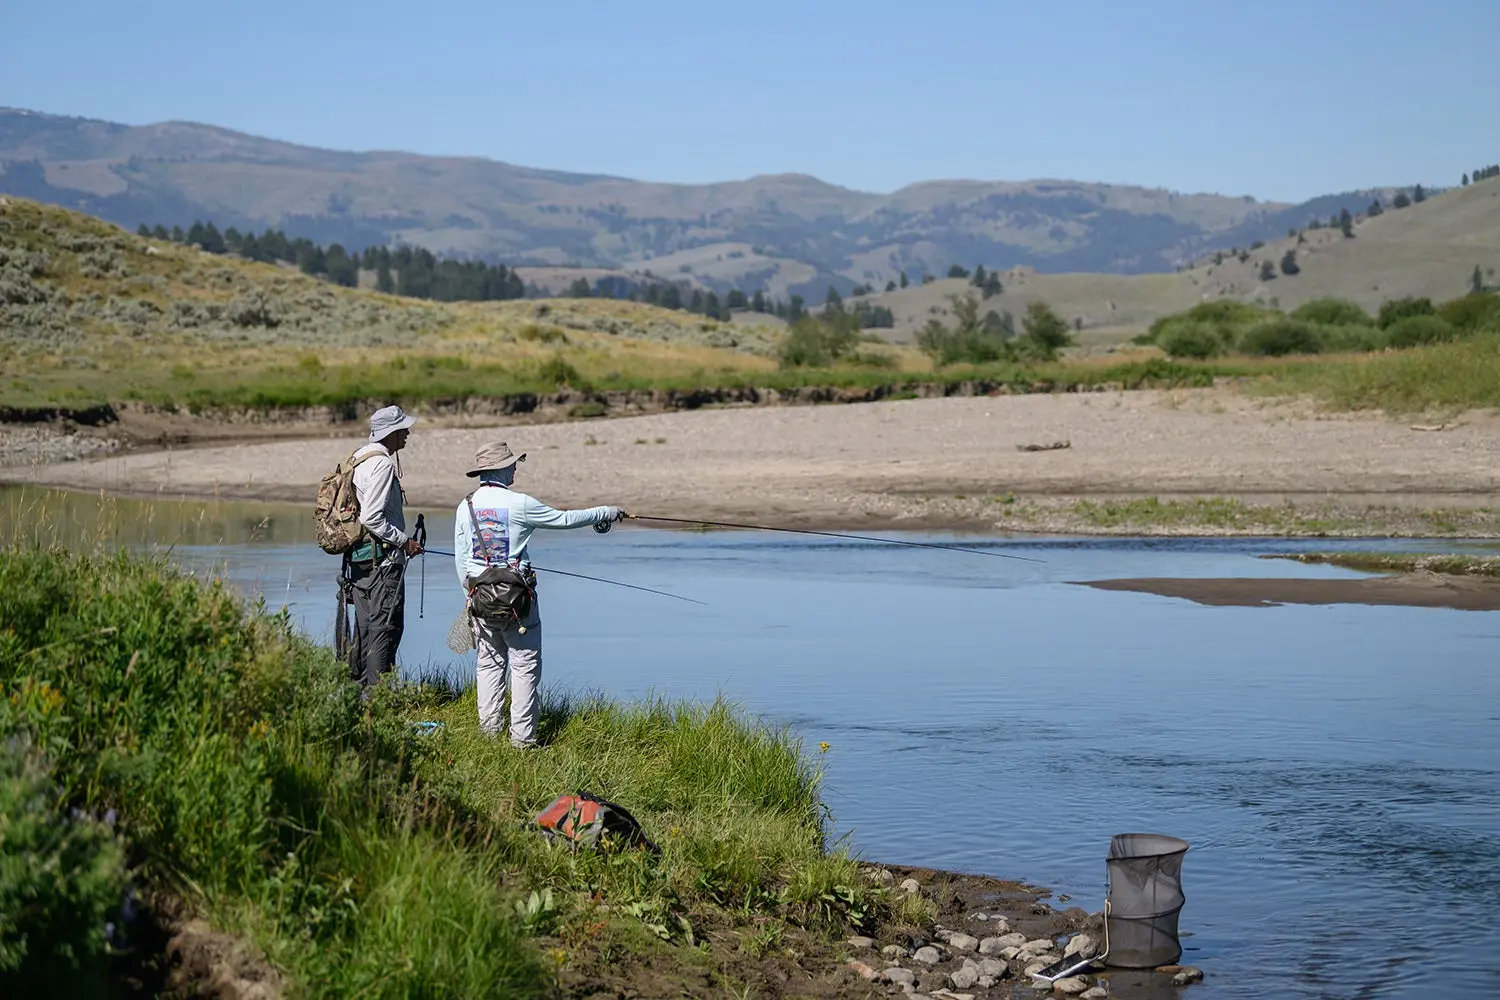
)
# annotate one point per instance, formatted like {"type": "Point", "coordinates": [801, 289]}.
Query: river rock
{"type": "Point", "coordinates": [981, 917]}
{"type": "Point", "coordinates": [993, 967]}
{"type": "Point", "coordinates": [999, 925]}
{"type": "Point", "coordinates": [862, 943]}
{"type": "Point", "coordinates": [911, 886]}
{"type": "Point", "coordinates": [1032, 968]}
{"type": "Point", "coordinates": [864, 970]}
{"type": "Point", "coordinates": [963, 942]}
{"type": "Point", "coordinates": [964, 977]}
{"type": "Point", "coordinates": [1094, 993]}
{"type": "Point", "coordinates": [1189, 974]}
{"type": "Point", "coordinates": [1008, 953]}
{"type": "Point", "coordinates": [1083, 946]}
{"type": "Point", "coordinates": [1037, 946]}
{"type": "Point", "coordinates": [992, 946]}
{"type": "Point", "coordinates": [1003, 941]}
{"type": "Point", "coordinates": [901, 976]}
{"type": "Point", "coordinates": [893, 951]}
{"type": "Point", "coordinates": [928, 955]}
{"type": "Point", "coordinates": [1071, 987]}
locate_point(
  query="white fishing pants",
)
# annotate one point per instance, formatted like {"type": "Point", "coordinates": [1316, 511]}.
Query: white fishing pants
{"type": "Point", "coordinates": [519, 654]}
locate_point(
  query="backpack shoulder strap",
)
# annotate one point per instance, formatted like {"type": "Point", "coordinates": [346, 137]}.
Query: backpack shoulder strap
{"type": "Point", "coordinates": [355, 459]}
{"type": "Point", "coordinates": [484, 543]}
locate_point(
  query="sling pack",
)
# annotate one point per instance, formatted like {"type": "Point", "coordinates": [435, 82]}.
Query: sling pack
{"type": "Point", "coordinates": [336, 510]}
{"type": "Point", "coordinates": [585, 820]}
{"type": "Point", "coordinates": [500, 596]}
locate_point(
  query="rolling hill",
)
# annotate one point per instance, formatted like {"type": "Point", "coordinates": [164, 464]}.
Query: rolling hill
{"type": "Point", "coordinates": [90, 313]}
{"type": "Point", "coordinates": [788, 233]}
{"type": "Point", "coordinates": [1428, 249]}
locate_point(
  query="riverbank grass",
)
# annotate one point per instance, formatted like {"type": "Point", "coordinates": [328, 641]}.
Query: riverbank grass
{"type": "Point", "coordinates": [202, 752]}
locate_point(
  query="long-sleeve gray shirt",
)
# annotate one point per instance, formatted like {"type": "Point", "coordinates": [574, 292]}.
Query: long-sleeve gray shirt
{"type": "Point", "coordinates": [379, 493]}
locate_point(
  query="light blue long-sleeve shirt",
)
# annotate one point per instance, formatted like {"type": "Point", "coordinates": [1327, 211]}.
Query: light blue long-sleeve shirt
{"type": "Point", "coordinates": [506, 519]}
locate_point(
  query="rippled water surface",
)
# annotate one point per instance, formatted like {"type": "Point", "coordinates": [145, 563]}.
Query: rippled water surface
{"type": "Point", "coordinates": [1336, 769]}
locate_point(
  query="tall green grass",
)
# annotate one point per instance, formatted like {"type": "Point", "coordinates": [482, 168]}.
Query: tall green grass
{"type": "Point", "coordinates": [1441, 377]}
{"type": "Point", "coordinates": [247, 779]}
{"type": "Point", "coordinates": [365, 860]}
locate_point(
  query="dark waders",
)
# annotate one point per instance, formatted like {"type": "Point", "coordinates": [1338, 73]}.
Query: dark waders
{"type": "Point", "coordinates": [377, 590]}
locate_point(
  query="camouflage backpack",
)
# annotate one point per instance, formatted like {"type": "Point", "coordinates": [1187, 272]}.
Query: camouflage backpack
{"type": "Point", "coordinates": [336, 512]}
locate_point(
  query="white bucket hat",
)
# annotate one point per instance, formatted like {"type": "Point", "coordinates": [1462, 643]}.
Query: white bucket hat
{"type": "Point", "coordinates": [387, 421]}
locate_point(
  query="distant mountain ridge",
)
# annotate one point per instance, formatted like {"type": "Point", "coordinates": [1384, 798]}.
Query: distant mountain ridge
{"type": "Point", "coordinates": [788, 233]}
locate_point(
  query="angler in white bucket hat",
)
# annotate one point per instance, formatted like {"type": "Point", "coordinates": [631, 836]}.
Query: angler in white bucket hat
{"type": "Point", "coordinates": [375, 569]}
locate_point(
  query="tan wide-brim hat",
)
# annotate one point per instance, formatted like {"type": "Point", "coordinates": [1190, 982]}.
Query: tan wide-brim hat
{"type": "Point", "coordinates": [493, 457]}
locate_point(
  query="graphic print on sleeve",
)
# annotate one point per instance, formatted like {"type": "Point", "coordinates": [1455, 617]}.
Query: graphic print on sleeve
{"type": "Point", "coordinates": [494, 528]}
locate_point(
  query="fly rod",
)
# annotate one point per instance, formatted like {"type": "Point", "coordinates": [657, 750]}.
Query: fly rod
{"type": "Point", "coordinates": [596, 579]}
{"type": "Point", "coordinates": [831, 534]}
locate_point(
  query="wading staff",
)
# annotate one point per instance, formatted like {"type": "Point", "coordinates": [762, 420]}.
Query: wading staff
{"type": "Point", "coordinates": [831, 534]}
{"type": "Point", "coordinates": [596, 579]}
{"type": "Point", "coordinates": [420, 534]}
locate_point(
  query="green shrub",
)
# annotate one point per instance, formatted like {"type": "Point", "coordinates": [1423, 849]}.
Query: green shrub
{"type": "Point", "coordinates": [972, 345]}
{"type": "Point", "coordinates": [61, 877]}
{"type": "Point", "coordinates": [1222, 314]}
{"type": "Point", "coordinates": [557, 372]}
{"type": "Point", "coordinates": [1352, 337]}
{"type": "Point", "coordinates": [819, 341]}
{"type": "Point", "coordinates": [1394, 310]}
{"type": "Point", "coordinates": [1472, 313]}
{"type": "Point", "coordinates": [1276, 337]}
{"type": "Point", "coordinates": [1412, 331]}
{"type": "Point", "coordinates": [1332, 312]}
{"type": "Point", "coordinates": [1043, 332]}
{"type": "Point", "coordinates": [1225, 318]}
{"type": "Point", "coordinates": [971, 340]}
{"type": "Point", "coordinates": [1191, 339]}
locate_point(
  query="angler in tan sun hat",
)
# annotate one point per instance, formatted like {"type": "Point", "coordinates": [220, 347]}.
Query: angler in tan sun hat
{"type": "Point", "coordinates": [491, 529]}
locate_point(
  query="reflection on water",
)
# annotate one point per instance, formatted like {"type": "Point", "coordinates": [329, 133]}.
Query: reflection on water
{"type": "Point", "coordinates": [1334, 768]}
{"type": "Point", "coordinates": [72, 518]}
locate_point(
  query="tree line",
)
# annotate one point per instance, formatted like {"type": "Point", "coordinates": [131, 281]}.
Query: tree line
{"type": "Point", "coordinates": [410, 271]}
{"type": "Point", "coordinates": [416, 272]}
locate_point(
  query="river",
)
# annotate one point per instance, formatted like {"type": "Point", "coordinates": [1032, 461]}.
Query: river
{"type": "Point", "coordinates": [1336, 769]}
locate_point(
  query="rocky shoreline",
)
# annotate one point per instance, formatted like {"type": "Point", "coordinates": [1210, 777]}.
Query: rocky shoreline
{"type": "Point", "coordinates": [47, 444]}
{"type": "Point", "coordinates": [989, 940]}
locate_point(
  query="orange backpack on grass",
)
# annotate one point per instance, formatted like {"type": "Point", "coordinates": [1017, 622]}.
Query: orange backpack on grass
{"type": "Point", "coordinates": [584, 820]}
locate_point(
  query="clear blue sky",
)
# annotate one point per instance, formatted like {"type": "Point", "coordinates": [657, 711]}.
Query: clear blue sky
{"type": "Point", "coordinates": [1275, 98]}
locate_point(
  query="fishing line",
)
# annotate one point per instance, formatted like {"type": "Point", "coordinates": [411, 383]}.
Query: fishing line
{"type": "Point", "coordinates": [596, 579]}
{"type": "Point", "coordinates": [833, 534]}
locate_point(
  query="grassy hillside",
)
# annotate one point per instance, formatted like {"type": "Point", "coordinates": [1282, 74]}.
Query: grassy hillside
{"type": "Point", "coordinates": [1428, 249]}
{"type": "Point", "coordinates": [800, 233]}
{"type": "Point", "coordinates": [91, 313]}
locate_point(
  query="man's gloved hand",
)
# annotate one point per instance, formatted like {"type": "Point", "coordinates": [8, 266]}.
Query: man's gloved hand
{"type": "Point", "coordinates": [412, 547]}
{"type": "Point", "coordinates": [613, 514]}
